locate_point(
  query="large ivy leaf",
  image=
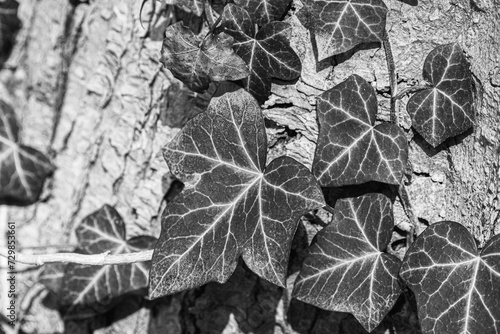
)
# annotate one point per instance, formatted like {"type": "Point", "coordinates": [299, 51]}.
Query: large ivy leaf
{"type": "Point", "coordinates": [351, 150]}
{"type": "Point", "coordinates": [197, 61]}
{"type": "Point", "coordinates": [340, 25]}
{"type": "Point", "coordinates": [264, 11]}
{"type": "Point", "coordinates": [267, 52]}
{"type": "Point", "coordinates": [457, 288]}
{"type": "Point", "coordinates": [445, 110]}
{"type": "Point", "coordinates": [22, 169]}
{"type": "Point", "coordinates": [89, 290]}
{"type": "Point", "coordinates": [9, 25]}
{"type": "Point", "coordinates": [347, 270]}
{"type": "Point", "coordinates": [232, 204]}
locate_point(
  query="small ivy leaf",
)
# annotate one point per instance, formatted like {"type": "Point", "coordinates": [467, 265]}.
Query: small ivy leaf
{"type": "Point", "coordinates": [340, 25]}
{"type": "Point", "coordinates": [9, 26]}
{"type": "Point", "coordinates": [22, 169]}
{"type": "Point", "coordinates": [264, 11]}
{"type": "Point", "coordinates": [197, 66]}
{"type": "Point", "coordinates": [90, 290]}
{"type": "Point", "coordinates": [267, 52]}
{"type": "Point", "coordinates": [196, 7]}
{"type": "Point", "coordinates": [457, 288]}
{"type": "Point", "coordinates": [351, 150]}
{"type": "Point", "coordinates": [231, 204]}
{"type": "Point", "coordinates": [346, 269]}
{"type": "Point", "coordinates": [445, 110]}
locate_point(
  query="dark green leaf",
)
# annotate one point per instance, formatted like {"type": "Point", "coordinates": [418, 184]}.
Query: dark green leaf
{"type": "Point", "coordinates": [340, 25]}
{"type": "Point", "coordinates": [347, 270]}
{"type": "Point", "coordinates": [457, 288]}
{"type": "Point", "coordinates": [445, 110]}
{"type": "Point", "coordinates": [351, 150]}
{"type": "Point", "coordinates": [22, 169]}
{"type": "Point", "coordinates": [90, 290]}
{"type": "Point", "coordinates": [197, 66]}
{"type": "Point", "coordinates": [264, 11]}
{"type": "Point", "coordinates": [267, 52]}
{"type": "Point", "coordinates": [232, 204]}
{"type": "Point", "coordinates": [9, 25]}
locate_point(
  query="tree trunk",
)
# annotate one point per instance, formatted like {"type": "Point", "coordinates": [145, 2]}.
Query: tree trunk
{"type": "Point", "coordinates": [89, 91]}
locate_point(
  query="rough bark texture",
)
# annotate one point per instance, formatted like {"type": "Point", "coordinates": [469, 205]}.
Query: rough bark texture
{"type": "Point", "coordinates": [88, 89]}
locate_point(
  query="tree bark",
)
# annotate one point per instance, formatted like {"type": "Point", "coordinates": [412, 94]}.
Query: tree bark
{"type": "Point", "coordinates": [89, 91]}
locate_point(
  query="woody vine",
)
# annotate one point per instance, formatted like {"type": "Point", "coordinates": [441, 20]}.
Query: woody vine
{"type": "Point", "coordinates": [237, 204]}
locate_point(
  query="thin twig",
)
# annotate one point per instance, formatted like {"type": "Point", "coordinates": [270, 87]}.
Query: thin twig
{"type": "Point", "coordinates": [404, 197]}
{"type": "Point", "coordinates": [391, 67]}
{"type": "Point", "coordinates": [87, 259]}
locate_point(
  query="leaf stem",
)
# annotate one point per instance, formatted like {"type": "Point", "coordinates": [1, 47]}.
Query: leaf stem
{"type": "Point", "coordinates": [87, 259]}
{"type": "Point", "coordinates": [391, 67]}
{"type": "Point", "coordinates": [404, 197]}
{"type": "Point", "coordinates": [329, 209]}
{"type": "Point", "coordinates": [211, 31]}
{"type": "Point", "coordinates": [412, 89]}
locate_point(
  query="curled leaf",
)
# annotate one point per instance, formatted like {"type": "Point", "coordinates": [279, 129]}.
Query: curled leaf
{"type": "Point", "coordinates": [445, 110]}
{"type": "Point", "coordinates": [351, 149]}
{"type": "Point", "coordinates": [232, 204]}
{"type": "Point", "coordinates": [197, 61]}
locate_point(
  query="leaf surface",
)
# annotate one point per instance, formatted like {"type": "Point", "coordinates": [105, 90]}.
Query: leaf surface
{"type": "Point", "coordinates": [264, 11]}
{"type": "Point", "coordinates": [267, 52]}
{"type": "Point", "coordinates": [457, 288]}
{"type": "Point", "coordinates": [340, 25]}
{"type": "Point", "coordinates": [22, 169]}
{"type": "Point", "coordinates": [351, 150]}
{"type": "Point", "coordinates": [90, 290]}
{"type": "Point", "coordinates": [347, 270]}
{"type": "Point", "coordinates": [9, 25]}
{"type": "Point", "coordinates": [197, 66]}
{"type": "Point", "coordinates": [232, 204]}
{"type": "Point", "coordinates": [445, 110]}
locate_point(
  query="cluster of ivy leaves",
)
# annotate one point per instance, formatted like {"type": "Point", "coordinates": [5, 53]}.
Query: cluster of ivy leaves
{"type": "Point", "coordinates": [235, 203]}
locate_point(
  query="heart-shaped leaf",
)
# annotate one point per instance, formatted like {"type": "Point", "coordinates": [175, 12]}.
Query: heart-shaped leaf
{"type": "Point", "coordinates": [347, 270]}
{"type": "Point", "coordinates": [351, 150]}
{"type": "Point", "coordinates": [264, 11]}
{"type": "Point", "coordinates": [196, 65]}
{"type": "Point", "coordinates": [22, 169]}
{"type": "Point", "coordinates": [90, 290]}
{"type": "Point", "coordinates": [340, 25]}
{"type": "Point", "coordinates": [267, 52]}
{"type": "Point", "coordinates": [231, 204]}
{"type": "Point", "coordinates": [445, 110]}
{"type": "Point", "coordinates": [9, 25]}
{"type": "Point", "coordinates": [457, 288]}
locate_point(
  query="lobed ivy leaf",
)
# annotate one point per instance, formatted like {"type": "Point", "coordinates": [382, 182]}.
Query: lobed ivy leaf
{"type": "Point", "coordinates": [232, 204]}
{"type": "Point", "coordinates": [351, 150]}
{"type": "Point", "coordinates": [267, 52]}
{"type": "Point", "coordinates": [346, 270]}
{"type": "Point", "coordinates": [263, 12]}
{"type": "Point", "coordinates": [456, 286]}
{"type": "Point", "coordinates": [89, 290]}
{"type": "Point", "coordinates": [340, 25]}
{"type": "Point", "coordinates": [197, 66]}
{"type": "Point", "coordinates": [9, 26]}
{"type": "Point", "coordinates": [23, 169]}
{"type": "Point", "coordinates": [445, 110]}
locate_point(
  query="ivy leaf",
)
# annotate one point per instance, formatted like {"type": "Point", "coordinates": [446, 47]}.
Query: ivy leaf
{"type": "Point", "coordinates": [456, 286]}
{"type": "Point", "coordinates": [267, 52]}
{"type": "Point", "coordinates": [9, 26]}
{"type": "Point", "coordinates": [22, 169]}
{"type": "Point", "coordinates": [351, 150]}
{"type": "Point", "coordinates": [264, 11]}
{"type": "Point", "coordinates": [197, 66]}
{"type": "Point", "coordinates": [232, 204]}
{"type": "Point", "coordinates": [91, 290]}
{"type": "Point", "coordinates": [340, 25]}
{"type": "Point", "coordinates": [196, 7]}
{"type": "Point", "coordinates": [347, 270]}
{"type": "Point", "coordinates": [445, 110]}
